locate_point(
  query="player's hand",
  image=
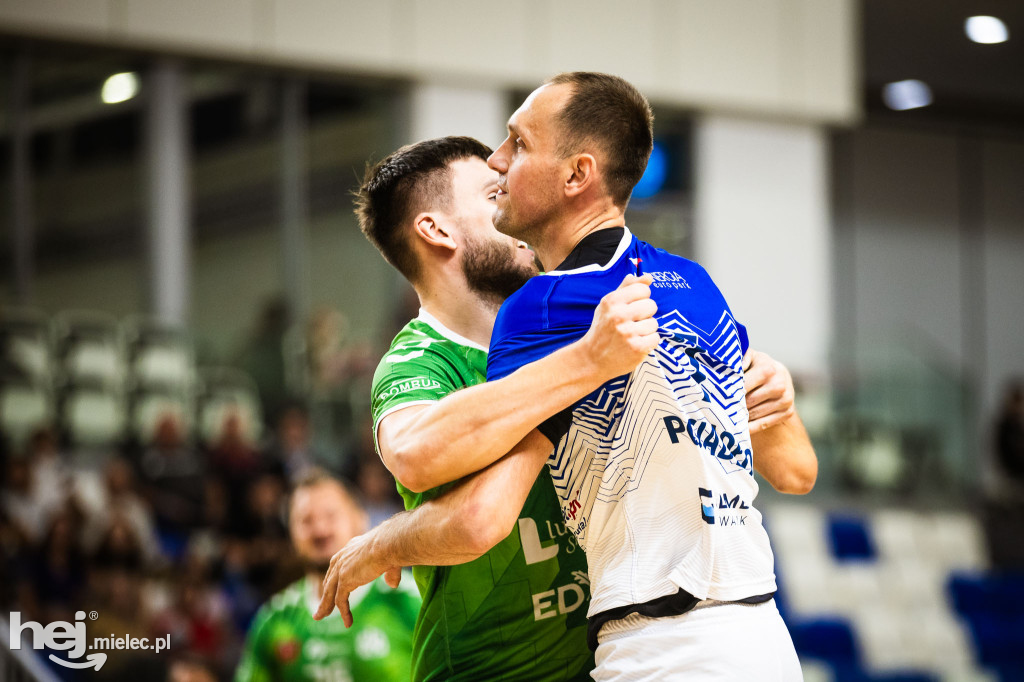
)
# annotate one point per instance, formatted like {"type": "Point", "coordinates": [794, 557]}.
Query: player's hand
{"type": "Point", "coordinates": [770, 391]}
{"type": "Point", "coordinates": [624, 330]}
{"type": "Point", "coordinates": [351, 567]}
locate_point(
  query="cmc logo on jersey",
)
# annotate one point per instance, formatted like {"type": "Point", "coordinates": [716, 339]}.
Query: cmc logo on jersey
{"type": "Point", "coordinates": [729, 509]}
{"type": "Point", "coordinates": [706, 436]}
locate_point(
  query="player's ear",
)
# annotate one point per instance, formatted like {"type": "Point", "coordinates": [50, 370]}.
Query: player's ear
{"type": "Point", "coordinates": [582, 174]}
{"type": "Point", "coordinates": [432, 231]}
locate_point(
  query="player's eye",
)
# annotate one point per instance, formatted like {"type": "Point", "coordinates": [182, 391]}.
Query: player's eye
{"type": "Point", "coordinates": [492, 195]}
{"type": "Point", "coordinates": [519, 144]}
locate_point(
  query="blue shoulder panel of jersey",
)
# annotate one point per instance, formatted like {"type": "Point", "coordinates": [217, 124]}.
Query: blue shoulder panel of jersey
{"type": "Point", "coordinates": [553, 310]}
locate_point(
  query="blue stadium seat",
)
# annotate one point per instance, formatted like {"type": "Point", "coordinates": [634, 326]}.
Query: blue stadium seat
{"type": "Point", "coordinates": [827, 639]}
{"type": "Point", "coordinates": [849, 539]}
{"type": "Point", "coordinates": [858, 675]}
{"type": "Point", "coordinates": [993, 607]}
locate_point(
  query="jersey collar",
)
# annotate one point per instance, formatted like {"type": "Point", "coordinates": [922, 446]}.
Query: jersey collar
{"type": "Point", "coordinates": [444, 331]}
{"type": "Point", "coordinates": [624, 242]}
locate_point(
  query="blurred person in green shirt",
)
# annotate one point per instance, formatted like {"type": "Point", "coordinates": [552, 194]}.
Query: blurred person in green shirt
{"type": "Point", "coordinates": [285, 644]}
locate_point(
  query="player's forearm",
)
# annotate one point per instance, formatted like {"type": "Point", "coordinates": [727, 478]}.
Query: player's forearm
{"type": "Point", "coordinates": [433, 534]}
{"type": "Point", "coordinates": [784, 456]}
{"type": "Point", "coordinates": [467, 520]}
{"type": "Point", "coordinates": [471, 428]}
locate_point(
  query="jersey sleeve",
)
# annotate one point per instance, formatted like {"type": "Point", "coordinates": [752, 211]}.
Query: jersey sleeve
{"type": "Point", "coordinates": [414, 372]}
{"type": "Point", "coordinates": [522, 336]}
{"type": "Point", "coordinates": [253, 666]}
{"type": "Point", "coordinates": [744, 339]}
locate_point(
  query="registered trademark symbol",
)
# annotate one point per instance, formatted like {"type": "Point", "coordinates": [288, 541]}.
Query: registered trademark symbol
{"type": "Point", "coordinates": [93, 615]}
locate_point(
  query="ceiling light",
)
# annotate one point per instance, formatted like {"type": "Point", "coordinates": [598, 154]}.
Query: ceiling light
{"type": "Point", "coordinates": [986, 30]}
{"type": "Point", "coordinates": [120, 87]}
{"type": "Point", "coordinates": [908, 94]}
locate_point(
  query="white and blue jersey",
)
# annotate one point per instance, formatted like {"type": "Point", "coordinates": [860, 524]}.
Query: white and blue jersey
{"type": "Point", "coordinates": [654, 469]}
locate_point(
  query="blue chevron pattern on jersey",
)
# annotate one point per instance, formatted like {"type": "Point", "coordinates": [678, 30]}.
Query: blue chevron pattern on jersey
{"type": "Point", "coordinates": [635, 463]}
{"type": "Point", "coordinates": [693, 373]}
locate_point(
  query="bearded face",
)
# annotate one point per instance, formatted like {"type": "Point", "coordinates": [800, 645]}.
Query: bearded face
{"type": "Point", "coordinates": [496, 268]}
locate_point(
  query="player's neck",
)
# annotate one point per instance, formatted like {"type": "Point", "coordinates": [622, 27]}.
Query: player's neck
{"type": "Point", "coordinates": [558, 241]}
{"type": "Point", "coordinates": [459, 308]}
{"type": "Point", "coordinates": [314, 583]}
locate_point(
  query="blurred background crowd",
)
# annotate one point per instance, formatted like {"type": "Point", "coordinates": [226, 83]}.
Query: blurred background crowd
{"type": "Point", "coordinates": [190, 318]}
{"type": "Point", "coordinates": [154, 494]}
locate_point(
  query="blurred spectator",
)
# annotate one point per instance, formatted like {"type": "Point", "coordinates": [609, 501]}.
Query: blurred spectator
{"type": "Point", "coordinates": [22, 501]}
{"type": "Point", "coordinates": [1010, 433]}
{"type": "Point", "coordinates": [378, 488]}
{"type": "Point", "coordinates": [332, 360]}
{"type": "Point", "coordinates": [15, 564]}
{"type": "Point", "coordinates": [198, 619]}
{"type": "Point", "coordinates": [262, 357]}
{"type": "Point", "coordinates": [57, 571]}
{"type": "Point", "coordinates": [117, 596]}
{"type": "Point", "coordinates": [173, 478]}
{"type": "Point", "coordinates": [51, 474]}
{"type": "Point", "coordinates": [237, 465]}
{"type": "Point", "coordinates": [232, 455]}
{"type": "Point", "coordinates": [285, 643]}
{"type": "Point", "coordinates": [120, 547]}
{"type": "Point", "coordinates": [262, 528]}
{"type": "Point", "coordinates": [121, 503]}
{"type": "Point", "coordinates": [340, 373]}
{"type": "Point", "coordinates": [292, 449]}
{"type": "Point", "coordinates": [190, 670]}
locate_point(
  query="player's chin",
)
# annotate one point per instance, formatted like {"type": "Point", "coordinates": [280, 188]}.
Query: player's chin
{"type": "Point", "coordinates": [501, 220]}
{"type": "Point", "coordinates": [319, 563]}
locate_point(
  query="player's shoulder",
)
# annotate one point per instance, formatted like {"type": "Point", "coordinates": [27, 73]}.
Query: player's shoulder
{"type": "Point", "coordinates": [279, 607]}
{"type": "Point", "coordinates": [425, 344]}
{"type": "Point", "coordinates": [655, 258]}
{"type": "Point", "coordinates": [523, 310]}
{"type": "Point", "coordinates": [290, 597]}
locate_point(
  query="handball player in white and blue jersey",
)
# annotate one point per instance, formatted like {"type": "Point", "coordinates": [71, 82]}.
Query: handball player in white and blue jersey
{"type": "Point", "coordinates": [654, 469]}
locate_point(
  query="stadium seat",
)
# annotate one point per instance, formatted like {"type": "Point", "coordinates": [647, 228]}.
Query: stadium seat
{"type": "Point", "coordinates": [89, 350]}
{"type": "Point", "coordinates": [25, 352]}
{"type": "Point", "coordinates": [827, 639]}
{"type": "Point", "coordinates": [850, 538]}
{"type": "Point", "coordinates": [24, 408]}
{"type": "Point", "coordinates": [225, 392]}
{"type": "Point", "coordinates": [159, 357]}
{"type": "Point", "coordinates": [956, 540]}
{"type": "Point", "coordinates": [896, 533]}
{"type": "Point", "coordinates": [92, 417]}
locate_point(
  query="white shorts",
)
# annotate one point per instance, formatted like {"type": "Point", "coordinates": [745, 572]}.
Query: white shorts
{"type": "Point", "coordinates": [715, 641]}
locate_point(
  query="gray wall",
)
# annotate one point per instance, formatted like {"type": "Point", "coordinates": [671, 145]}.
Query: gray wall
{"type": "Point", "coordinates": [778, 57]}
{"type": "Point", "coordinates": [930, 264]}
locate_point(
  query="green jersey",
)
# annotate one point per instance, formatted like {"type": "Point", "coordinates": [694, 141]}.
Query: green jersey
{"type": "Point", "coordinates": [518, 612]}
{"type": "Point", "coordinates": [285, 644]}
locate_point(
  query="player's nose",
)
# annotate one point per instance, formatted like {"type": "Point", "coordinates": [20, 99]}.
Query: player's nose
{"type": "Point", "coordinates": [496, 161]}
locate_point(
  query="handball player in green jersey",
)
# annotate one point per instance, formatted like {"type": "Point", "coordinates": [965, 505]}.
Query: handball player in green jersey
{"type": "Point", "coordinates": [285, 645]}
{"type": "Point", "coordinates": [505, 588]}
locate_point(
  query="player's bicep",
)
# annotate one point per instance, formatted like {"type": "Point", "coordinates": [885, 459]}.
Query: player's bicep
{"type": "Point", "coordinates": [392, 430]}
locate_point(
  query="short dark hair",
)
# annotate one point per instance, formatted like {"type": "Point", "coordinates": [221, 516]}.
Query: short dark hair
{"type": "Point", "coordinates": [316, 476]}
{"type": "Point", "coordinates": [610, 112]}
{"type": "Point", "coordinates": [414, 178]}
